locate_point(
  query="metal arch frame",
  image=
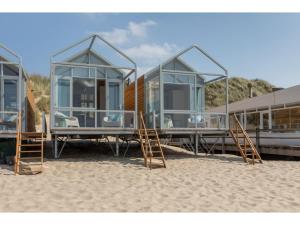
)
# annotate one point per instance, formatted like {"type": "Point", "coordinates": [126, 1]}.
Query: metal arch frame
{"type": "Point", "coordinates": [217, 76]}
{"type": "Point", "coordinates": [93, 37]}
{"type": "Point", "coordinates": [12, 53]}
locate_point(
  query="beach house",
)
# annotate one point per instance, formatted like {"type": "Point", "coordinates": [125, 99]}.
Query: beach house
{"type": "Point", "coordinates": [87, 92]}
{"type": "Point", "coordinates": [172, 95]}
{"type": "Point", "coordinates": [16, 94]}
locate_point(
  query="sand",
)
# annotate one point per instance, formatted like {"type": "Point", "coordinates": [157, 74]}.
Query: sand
{"type": "Point", "coordinates": [98, 183]}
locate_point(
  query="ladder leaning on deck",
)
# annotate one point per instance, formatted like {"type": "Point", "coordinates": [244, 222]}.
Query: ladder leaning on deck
{"type": "Point", "coordinates": [244, 143]}
{"type": "Point", "coordinates": [150, 145]}
{"type": "Point", "coordinates": [29, 150]}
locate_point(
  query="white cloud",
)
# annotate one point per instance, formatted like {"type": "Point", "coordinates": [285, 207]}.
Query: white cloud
{"type": "Point", "coordinates": [133, 30]}
{"type": "Point", "coordinates": [151, 54]}
{"type": "Point", "coordinates": [117, 36]}
{"type": "Point", "coordinates": [140, 29]}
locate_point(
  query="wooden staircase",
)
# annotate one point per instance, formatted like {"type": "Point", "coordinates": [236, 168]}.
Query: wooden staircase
{"type": "Point", "coordinates": [244, 143]}
{"type": "Point", "coordinates": [29, 150]}
{"type": "Point", "coordinates": [150, 146]}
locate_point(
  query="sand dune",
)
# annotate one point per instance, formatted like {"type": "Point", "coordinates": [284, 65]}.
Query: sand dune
{"type": "Point", "coordinates": [98, 183]}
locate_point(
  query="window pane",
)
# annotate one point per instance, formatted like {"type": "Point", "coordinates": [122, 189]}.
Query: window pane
{"type": "Point", "coordinates": [295, 118]}
{"type": "Point", "coordinates": [169, 78]}
{"type": "Point", "coordinates": [100, 72]}
{"type": "Point", "coordinates": [10, 70]}
{"type": "Point", "coordinates": [113, 74]}
{"type": "Point", "coordinates": [200, 80]}
{"type": "Point", "coordinates": [114, 96]}
{"type": "Point", "coordinates": [281, 119]}
{"type": "Point", "coordinates": [182, 79]}
{"type": "Point", "coordinates": [252, 121]}
{"type": "Point", "coordinates": [85, 119]}
{"type": "Point", "coordinates": [177, 96]}
{"type": "Point", "coordinates": [80, 72]}
{"type": "Point", "coordinates": [266, 120]}
{"type": "Point", "coordinates": [10, 95]}
{"type": "Point", "coordinates": [83, 93]}
{"type": "Point", "coordinates": [63, 93]}
{"type": "Point", "coordinates": [61, 118]}
{"type": "Point", "coordinates": [63, 70]}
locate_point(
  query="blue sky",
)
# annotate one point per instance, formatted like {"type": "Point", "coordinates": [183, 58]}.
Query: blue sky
{"type": "Point", "coordinates": [265, 46]}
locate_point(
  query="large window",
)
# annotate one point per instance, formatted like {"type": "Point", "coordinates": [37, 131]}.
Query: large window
{"type": "Point", "coordinates": [176, 97]}
{"type": "Point", "coordinates": [295, 118]}
{"type": "Point", "coordinates": [281, 119]}
{"type": "Point", "coordinates": [63, 93]}
{"type": "Point", "coordinates": [83, 93]}
{"type": "Point", "coordinates": [253, 121]}
{"type": "Point", "coordinates": [10, 95]}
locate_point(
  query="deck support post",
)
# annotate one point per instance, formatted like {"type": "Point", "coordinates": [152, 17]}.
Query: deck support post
{"type": "Point", "coordinates": [117, 145]}
{"type": "Point", "coordinates": [196, 144]}
{"type": "Point", "coordinates": [223, 144]}
{"type": "Point", "coordinates": [55, 147]}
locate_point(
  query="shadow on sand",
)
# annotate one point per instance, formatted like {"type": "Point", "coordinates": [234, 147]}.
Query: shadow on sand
{"type": "Point", "coordinates": [88, 151]}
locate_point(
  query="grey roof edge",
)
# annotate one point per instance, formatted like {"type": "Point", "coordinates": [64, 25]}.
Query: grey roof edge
{"type": "Point", "coordinates": [93, 37]}
{"type": "Point", "coordinates": [182, 52]}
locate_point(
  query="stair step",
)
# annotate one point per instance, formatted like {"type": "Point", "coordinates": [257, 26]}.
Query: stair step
{"type": "Point", "coordinates": [29, 158]}
{"type": "Point", "coordinates": [34, 163]}
{"type": "Point", "coordinates": [35, 144]}
{"type": "Point", "coordinates": [31, 151]}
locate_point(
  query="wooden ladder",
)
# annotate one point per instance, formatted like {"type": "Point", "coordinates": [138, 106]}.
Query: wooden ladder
{"type": "Point", "coordinates": [29, 148]}
{"type": "Point", "coordinates": [150, 145]}
{"type": "Point", "coordinates": [244, 143]}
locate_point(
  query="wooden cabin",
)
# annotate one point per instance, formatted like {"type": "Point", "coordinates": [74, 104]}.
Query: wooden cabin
{"type": "Point", "coordinates": [87, 91]}
{"type": "Point", "coordinates": [16, 95]}
{"type": "Point", "coordinates": [174, 94]}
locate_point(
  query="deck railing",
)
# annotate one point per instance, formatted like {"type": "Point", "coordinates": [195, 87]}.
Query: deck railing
{"type": "Point", "coordinates": [174, 119]}
{"type": "Point", "coordinates": [192, 120]}
{"type": "Point", "coordinates": [93, 119]}
{"type": "Point", "coordinates": [8, 121]}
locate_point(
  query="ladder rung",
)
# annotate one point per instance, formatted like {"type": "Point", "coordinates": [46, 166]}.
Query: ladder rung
{"type": "Point", "coordinates": [33, 163]}
{"type": "Point", "coordinates": [29, 158]}
{"type": "Point", "coordinates": [36, 144]}
{"type": "Point", "coordinates": [30, 151]}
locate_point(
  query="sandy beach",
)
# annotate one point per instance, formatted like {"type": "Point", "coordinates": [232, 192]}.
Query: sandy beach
{"type": "Point", "coordinates": [100, 183]}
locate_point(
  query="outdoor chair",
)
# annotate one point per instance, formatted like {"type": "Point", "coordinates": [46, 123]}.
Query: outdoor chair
{"type": "Point", "coordinates": [61, 120]}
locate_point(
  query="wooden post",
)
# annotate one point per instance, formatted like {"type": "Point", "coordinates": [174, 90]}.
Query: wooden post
{"type": "Point", "coordinates": [257, 138]}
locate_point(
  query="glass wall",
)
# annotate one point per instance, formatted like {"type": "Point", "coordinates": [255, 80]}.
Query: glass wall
{"type": "Point", "coordinates": [63, 93]}
{"type": "Point", "coordinates": [89, 97]}
{"type": "Point", "coordinates": [183, 96]}
{"type": "Point", "coordinates": [287, 118]}
{"type": "Point", "coordinates": [177, 96]}
{"type": "Point", "coordinates": [9, 85]}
